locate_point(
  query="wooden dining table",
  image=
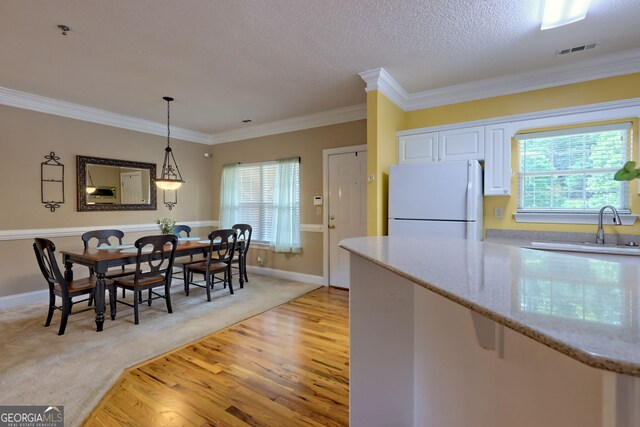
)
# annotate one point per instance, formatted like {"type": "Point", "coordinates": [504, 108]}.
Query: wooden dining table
{"type": "Point", "coordinates": [101, 260]}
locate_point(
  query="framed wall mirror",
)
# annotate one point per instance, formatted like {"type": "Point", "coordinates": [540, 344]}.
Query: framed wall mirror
{"type": "Point", "coordinates": [115, 185]}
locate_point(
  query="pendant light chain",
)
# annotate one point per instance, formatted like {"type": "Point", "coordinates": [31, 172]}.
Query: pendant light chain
{"type": "Point", "coordinates": [170, 177]}
{"type": "Point", "coordinates": [168, 121]}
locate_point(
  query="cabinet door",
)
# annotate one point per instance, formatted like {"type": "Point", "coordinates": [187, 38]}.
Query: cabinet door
{"type": "Point", "coordinates": [497, 161]}
{"type": "Point", "coordinates": [461, 144]}
{"type": "Point", "coordinates": [420, 148]}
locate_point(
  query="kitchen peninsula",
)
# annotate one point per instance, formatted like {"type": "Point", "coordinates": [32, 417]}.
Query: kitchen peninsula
{"type": "Point", "coordinates": [451, 332]}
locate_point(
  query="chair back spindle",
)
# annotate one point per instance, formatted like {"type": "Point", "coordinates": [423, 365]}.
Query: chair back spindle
{"type": "Point", "coordinates": [103, 237]}
{"type": "Point", "coordinates": [152, 258]}
{"type": "Point", "coordinates": [182, 230]}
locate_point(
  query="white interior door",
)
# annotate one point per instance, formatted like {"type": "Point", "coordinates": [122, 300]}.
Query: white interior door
{"type": "Point", "coordinates": [131, 188]}
{"type": "Point", "coordinates": [346, 209]}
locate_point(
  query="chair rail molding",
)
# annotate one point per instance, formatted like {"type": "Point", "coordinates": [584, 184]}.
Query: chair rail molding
{"type": "Point", "coordinates": [131, 228]}
{"type": "Point", "coordinates": [78, 231]}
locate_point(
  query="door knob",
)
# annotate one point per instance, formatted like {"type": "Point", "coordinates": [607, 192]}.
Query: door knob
{"type": "Point", "coordinates": [331, 226]}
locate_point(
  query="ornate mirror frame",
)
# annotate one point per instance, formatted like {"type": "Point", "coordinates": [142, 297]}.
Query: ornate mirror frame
{"type": "Point", "coordinates": [81, 180]}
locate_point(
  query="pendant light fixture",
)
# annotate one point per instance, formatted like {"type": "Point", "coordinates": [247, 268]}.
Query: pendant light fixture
{"type": "Point", "coordinates": [90, 188]}
{"type": "Point", "coordinates": [170, 178]}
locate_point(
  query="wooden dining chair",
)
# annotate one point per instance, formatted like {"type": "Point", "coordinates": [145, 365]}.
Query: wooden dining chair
{"type": "Point", "coordinates": [182, 230]}
{"type": "Point", "coordinates": [178, 265]}
{"type": "Point", "coordinates": [154, 264]}
{"type": "Point", "coordinates": [106, 237]}
{"type": "Point", "coordinates": [221, 250]}
{"type": "Point", "coordinates": [244, 232]}
{"type": "Point", "coordinates": [58, 286]}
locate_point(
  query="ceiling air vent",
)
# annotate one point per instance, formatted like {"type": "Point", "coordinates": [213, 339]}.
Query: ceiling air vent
{"type": "Point", "coordinates": [575, 49]}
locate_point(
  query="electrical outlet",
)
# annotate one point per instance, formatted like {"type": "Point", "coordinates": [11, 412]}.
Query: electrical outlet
{"type": "Point", "coordinates": [498, 213]}
{"type": "Point", "coordinates": [260, 260]}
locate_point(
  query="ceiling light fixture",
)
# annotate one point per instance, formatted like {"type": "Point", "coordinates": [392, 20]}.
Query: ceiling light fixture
{"type": "Point", "coordinates": [170, 178]}
{"type": "Point", "coordinates": [563, 12]}
{"type": "Point", "coordinates": [64, 29]}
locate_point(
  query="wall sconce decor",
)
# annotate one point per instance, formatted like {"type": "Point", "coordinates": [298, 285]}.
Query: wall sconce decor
{"type": "Point", "coordinates": [52, 182]}
{"type": "Point", "coordinates": [170, 177]}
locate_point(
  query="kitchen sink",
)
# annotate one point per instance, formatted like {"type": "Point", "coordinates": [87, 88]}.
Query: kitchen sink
{"type": "Point", "coordinates": [587, 247]}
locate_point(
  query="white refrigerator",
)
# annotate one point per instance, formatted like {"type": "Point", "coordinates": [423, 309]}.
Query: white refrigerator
{"type": "Point", "coordinates": [436, 199]}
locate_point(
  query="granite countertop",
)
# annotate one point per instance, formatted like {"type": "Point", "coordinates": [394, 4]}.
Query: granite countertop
{"type": "Point", "coordinates": [588, 309]}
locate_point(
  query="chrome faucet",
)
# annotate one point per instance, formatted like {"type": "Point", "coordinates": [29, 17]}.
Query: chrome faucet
{"type": "Point", "coordinates": [616, 221]}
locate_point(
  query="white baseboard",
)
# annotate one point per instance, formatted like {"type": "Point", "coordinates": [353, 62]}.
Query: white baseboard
{"type": "Point", "coordinates": [25, 298]}
{"type": "Point", "coordinates": [15, 300]}
{"type": "Point", "coordinates": [287, 275]}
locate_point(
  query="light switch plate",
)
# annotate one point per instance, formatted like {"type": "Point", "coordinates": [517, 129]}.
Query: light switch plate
{"type": "Point", "coordinates": [498, 213]}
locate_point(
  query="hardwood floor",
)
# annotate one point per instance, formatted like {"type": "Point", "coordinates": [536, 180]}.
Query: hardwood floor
{"type": "Point", "coordinates": [285, 367]}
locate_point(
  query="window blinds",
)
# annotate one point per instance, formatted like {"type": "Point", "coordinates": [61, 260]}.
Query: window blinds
{"type": "Point", "coordinates": [571, 170]}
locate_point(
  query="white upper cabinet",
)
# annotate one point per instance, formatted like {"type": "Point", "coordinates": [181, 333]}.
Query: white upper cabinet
{"type": "Point", "coordinates": [419, 148]}
{"type": "Point", "coordinates": [497, 160]}
{"type": "Point", "coordinates": [491, 143]}
{"type": "Point", "coordinates": [461, 144]}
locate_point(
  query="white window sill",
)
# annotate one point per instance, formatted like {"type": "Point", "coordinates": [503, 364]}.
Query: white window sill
{"type": "Point", "coordinates": [572, 218]}
{"type": "Point", "coordinates": [261, 245]}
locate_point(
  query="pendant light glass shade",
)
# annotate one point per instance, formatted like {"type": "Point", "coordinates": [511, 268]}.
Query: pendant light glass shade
{"type": "Point", "coordinates": [90, 188]}
{"type": "Point", "coordinates": [170, 177]}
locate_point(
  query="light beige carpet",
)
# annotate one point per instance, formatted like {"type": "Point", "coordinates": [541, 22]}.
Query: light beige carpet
{"type": "Point", "coordinates": [38, 367]}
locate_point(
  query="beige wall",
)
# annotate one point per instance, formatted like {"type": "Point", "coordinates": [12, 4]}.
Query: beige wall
{"type": "Point", "coordinates": [308, 144]}
{"type": "Point", "coordinates": [28, 136]}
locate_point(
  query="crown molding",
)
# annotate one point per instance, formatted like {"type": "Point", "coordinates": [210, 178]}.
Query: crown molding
{"type": "Point", "coordinates": [379, 79]}
{"type": "Point", "coordinates": [607, 66]}
{"type": "Point", "coordinates": [325, 118]}
{"type": "Point", "coordinates": [598, 68]}
{"type": "Point", "coordinates": [28, 101]}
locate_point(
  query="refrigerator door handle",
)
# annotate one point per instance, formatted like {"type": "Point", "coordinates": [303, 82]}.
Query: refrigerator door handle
{"type": "Point", "coordinates": [471, 200]}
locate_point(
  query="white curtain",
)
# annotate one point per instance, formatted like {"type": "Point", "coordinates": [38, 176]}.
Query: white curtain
{"type": "Point", "coordinates": [229, 212]}
{"type": "Point", "coordinates": [286, 207]}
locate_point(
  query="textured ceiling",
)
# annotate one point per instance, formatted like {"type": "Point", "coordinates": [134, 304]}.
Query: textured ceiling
{"type": "Point", "coordinates": [226, 60]}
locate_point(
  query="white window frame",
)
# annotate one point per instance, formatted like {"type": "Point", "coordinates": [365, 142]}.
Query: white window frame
{"type": "Point", "coordinates": [571, 216]}
{"type": "Point", "coordinates": [262, 234]}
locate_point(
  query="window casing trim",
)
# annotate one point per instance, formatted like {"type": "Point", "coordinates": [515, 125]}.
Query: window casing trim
{"type": "Point", "coordinates": [566, 215]}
